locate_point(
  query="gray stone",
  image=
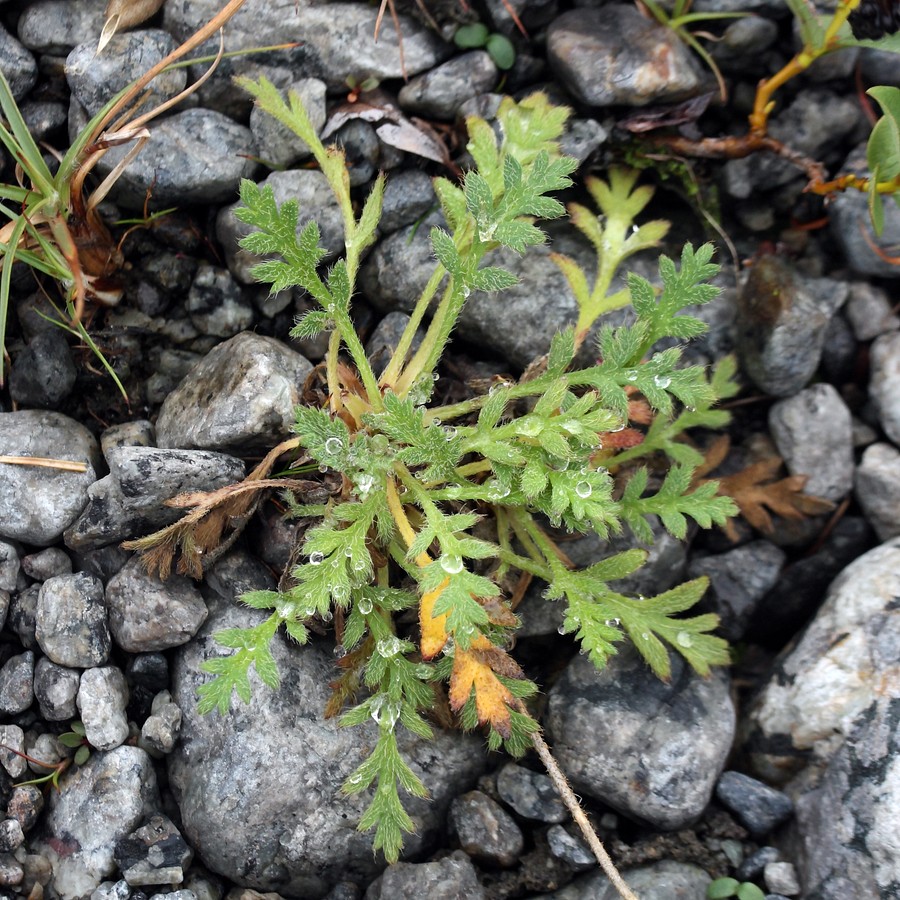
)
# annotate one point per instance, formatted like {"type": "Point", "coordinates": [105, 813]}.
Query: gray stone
{"type": "Point", "coordinates": [216, 304]}
{"type": "Point", "coordinates": [739, 579]}
{"type": "Point", "coordinates": [581, 138]}
{"type": "Point", "coordinates": [155, 853]}
{"type": "Point", "coordinates": [241, 397]}
{"type": "Point", "coordinates": [40, 503]}
{"type": "Point", "coordinates": [43, 374]}
{"type": "Point", "coordinates": [664, 744]}
{"type": "Point", "coordinates": [781, 877]}
{"type": "Point", "coordinates": [281, 146]}
{"type": "Point", "coordinates": [9, 567]}
{"type": "Point", "coordinates": [440, 92]}
{"type": "Point", "coordinates": [485, 830]}
{"type": "Point", "coordinates": [18, 65]}
{"type": "Point", "coordinates": [112, 890]}
{"type": "Point", "coordinates": [663, 880]}
{"type": "Point", "coordinates": [95, 78]}
{"type": "Point", "coordinates": [17, 684]}
{"type": "Point", "coordinates": [335, 40]}
{"type": "Point", "coordinates": [11, 835]}
{"type": "Point", "coordinates": [161, 728]}
{"type": "Point", "coordinates": [849, 223]}
{"type": "Point", "coordinates": [25, 805]}
{"type": "Point", "coordinates": [97, 804]}
{"type": "Point", "coordinates": [814, 435]}
{"type": "Point", "coordinates": [386, 337]}
{"type": "Point", "coordinates": [781, 325]}
{"type": "Point", "coordinates": [47, 563]}
{"type": "Point", "coordinates": [292, 835]}
{"type": "Point", "coordinates": [317, 204]}
{"type": "Point", "coordinates": [193, 156]}
{"type": "Point", "coordinates": [12, 738]}
{"type": "Point", "coordinates": [44, 117]}
{"type": "Point", "coordinates": [408, 195]}
{"type": "Point", "coordinates": [448, 879]}
{"type": "Point", "coordinates": [56, 26]}
{"type": "Point", "coordinates": [71, 621]}
{"type": "Point", "coordinates": [362, 150]}
{"type": "Point", "coordinates": [878, 488]}
{"type": "Point", "coordinates": [56, 688]}
{"type": "Point", "coordinates": [102, 697]}
{"type": "Point", "coordinates": [130, 501]}
{"type": "Point", "coordinates": [139, 433]}
{"type": "Point", "coordinates": [570, 848]}
{"type": "Point", "coordinates": [870, 312]}
{"type": "Point", "coordinates": [884, 387]}
{"type": "Point", "coordinates": [22, 613]}
{"type": "Point", "coordinates": [146, 613]}
{"type": "Point", "coordinates": [759, 808]}
{"type": "Point", "coordinates": [753, 866]}
{"type": "Point", "coordinates": [530, 794]}
{"type": "Point", "coordinates": [836, 674]}
{"type": "Point", "coordinates": [616, 56]}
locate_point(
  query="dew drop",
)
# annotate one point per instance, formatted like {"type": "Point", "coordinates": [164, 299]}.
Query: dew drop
{"type": "Point", "coordinates": [619, 427]}
{"type": "Point", "coordinates": [612, 623]}
{"type": "Point", "coordinates": [348, 552]}
{"type": "Point", "coordinates": [326, 616]}
{"type": "Point", "coordinates": [360, 565]}
{"type": "Point", "coordinates": [499, 386]}
{"type": "Point", "coordinates": [384, 711]}
{"type": "Point", "coordinates": [435, 376]}
{"type": "Point", "coordinates": [449, 432]}
{"type": "Point", "coordinates": [355, 779]}
{"type": "Point", "coordinates": [340, 651]}
{"type": "Point", "coordinates": [631, 375]}
{"type": "Point", "coordinates": [561, 629]}
{"type": "Point", "coordinates": [684, 639]}
{"type": "Point", "coordinates": [378, 443]}
{"type": "Point", "coordinates": [435, 422]}
{"type": "Point", "coordinates": [423, 672]}
{"type": "Point", "coordinates": [315, 558]}
{"type": "Point", "coordinates": [309, 612]}
{"type": "Point", "coordinates": [323, 468]}
{"type": "Point", "coordinates": [389, 646]}
{"type": "Point", "coordinates": [662, 381]}
{"type": "Point", "coordinates": [583, 489]}
{"type": "Point", "coordinates": [645, 635]}
{"type": "Point", "coordinates": [365, 483]}
{"type": "Point", "coordinates": [530, 426]}
{"type": "Point", "coordinates": [364, 606]}
{"type": "Point", "coordinates": [466, 292]}
{"type": "Point", "coordinates": [340, 593]}
{"type": "Point", "coordinates": [333, 446]}
{"type": "Point", "coordinates": [452, 565]}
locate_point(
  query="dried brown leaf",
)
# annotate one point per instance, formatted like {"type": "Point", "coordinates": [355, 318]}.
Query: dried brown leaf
{"type": "Point", "coordinates": [124, 14]}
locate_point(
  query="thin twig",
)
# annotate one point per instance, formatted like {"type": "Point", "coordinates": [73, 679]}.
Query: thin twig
{"type": "Point", "coordinates": [64, 465]}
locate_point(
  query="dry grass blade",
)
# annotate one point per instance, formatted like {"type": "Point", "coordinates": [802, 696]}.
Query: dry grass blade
{"type": "Point", "coordinates": [124, 14]}
{"type": "Point", "coordinates": [64, 465]}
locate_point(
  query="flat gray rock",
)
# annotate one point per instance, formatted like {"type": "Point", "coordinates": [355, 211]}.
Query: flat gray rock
{"type": "Point", "coordinates": [440, 92]}
{"type": "Point", "coordinates": [17, 64]}
{"type": "Point", "coordinates": [884, 387]}
{"type": "Point", "coordinates": [56, 26]}
{"type": "Point", "coordinates": [40, 503]}
{"type": "Point", "coordinates": [878, 488]}
{"type": "Point", "coordinates": [239, 398]}
{"type": "Point", "coordinates": [661, 746]}
{"type": "Point", "coordinates": [71, 621]}
{"type": "Point", "coordinates": [663, 880]}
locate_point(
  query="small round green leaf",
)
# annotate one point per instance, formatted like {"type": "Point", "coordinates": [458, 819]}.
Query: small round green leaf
{"type": "Point", "coordinates": [78, 728]}
{"type": "Point", "coordinates": [71, 739]}
{"type": "Point", "coordinates": [501, 51]}
{"type": "Point", "coordinates": [722, 888]}
{"type": "Point", "coordinates": [749, 891]}
{"type": "Point", "coordinates": [469, 36]}
{"type": "Point", "coordinates": [82, 754]}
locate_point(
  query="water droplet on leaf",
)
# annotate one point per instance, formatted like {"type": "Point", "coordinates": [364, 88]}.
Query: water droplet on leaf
{"type": "Point", "coordinates": [389, 646]}
{"type": "Point", "coordinates": [583, 489]}
{"type": "Point", "coordinates": [452, 565]}
{"type": "Point", "coordinates": [364, 606]}
{"type": "Point", "coordinates": [333, 446]}
{"type": "Point", "coordinates": [315, 558]}
{"type": "Point", "coordinates": [662, 381]}
{"type": "Point", "coordinates": [684, 639]}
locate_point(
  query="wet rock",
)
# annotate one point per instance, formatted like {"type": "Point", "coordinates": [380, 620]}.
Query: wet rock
{"type": "Point", "coordinates": [870, 312]}
{"type": "Point", "coordinates": [836, 675]}
{"type": "Point", "coordinates": [884, 387]}
{"type": "Point", "coordinates": [240, 398]}
{"type": "Point", "coordinates": [95, 78]}
{"type": "Point", "coordinates": [449, 878]}
{"type": "Point", "coordinates": [439, 93]}
{"type": "Point", "coordinates": [102, 698]}
{"type": "Point", "coordinates": [98, 803]}
{"type": "Point", "coordinates": [12, 738]}
{"type": "Point", "coordinates": [814, 435]}
{"type": "Point", "coordinates": [39, 503]}
{"type": "Point", "coordinates": [663, 880]}
{"type": "Point", "coordinates": [193, 156]}
{"type": "Point", "coordinates": [486, 831]}
{"type": "Point", "coordinates": [335, 40]}
{"type": "Point", "coordinates": [130, 501]}
{"type": "Point", "coordinates": [408, 195]}
{"type": "Point", "coordinates": [878, 488]}
{"type": "Point", "coordinates": [155, 853]}
{"type": "Point", "coordinates": [71, 621]}
{"type": "Point", "coordinates": [280, 145]}
{"type": "Point", "coordinates": [616, 56]}
{"type": "Point", "coordinates": [55, 689]}
{"type": "Point", "coordinates": [55, 27]}
{"type": "Point", "coordinates": [782, 322]}
{"type": "Point", "coordinates": [216, 304]}
{"type": "Point", "coordinates": [17, 684]}
{"type": "Point", "coordinates": [146, 613]}
{"type": "Point", "coordinates": [759, 808]}
{"type": "Point", "coordinates": [317, 204]}
{"type": "Point", "coordinates": [47, 564]}
{"type": "Point", "coordinates": [530, 794]}
{"type": "Point", "coordinates": [9, 567]}
{"type": "Point", "coordinates": [19, 67]}
{"type": "Point", "coordinates": [849, 223]}
{"type": "Point", "coordinates": [296, 832]}
{"type": "Point", "coordinates": [664, 744]}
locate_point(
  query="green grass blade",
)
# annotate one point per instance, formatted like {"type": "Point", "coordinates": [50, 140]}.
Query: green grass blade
{"type": "Point", "coordinates": [9, 254]}
{"type": "Point", "coordinates": [21, 144]}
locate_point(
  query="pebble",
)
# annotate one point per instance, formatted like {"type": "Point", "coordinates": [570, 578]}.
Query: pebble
{"type": "Point", "coordinates": [664, 744]}
{"type": "Point", "coordinates": [19, 66]}
{"type": "Point", "coordinates": [281, 146]}
{"type": "Point", "coordinates": [161, 728]}
{"type": "Point", "coordinates": [317, 204]}
{"type": "Point", "coordinates": [813, 431]}
{"type": "Point", "coordinates": [485, 831]}
{"type": "Point", "coordinates": [39, 503]}
{"type": "Point", "coordinates": [47, 564]}
{"type": "Point", "coordinates": [759, 808]}
{"type": "Point", "coordinates": [531, 794]}
{"type": "Point", "coordinates": [870, 312]}
{"type": "Point", "coordinates": [216, 303]}
{"type": "Point", "coordinates": [752, 867]}
{"type": "Point", "coordinates": [56, 690]}
{"type": "Point", "coordinates": [102, 698]}
{"type": "Point", "coordinates": [362, 150]}
{"type": "Point", "coordinates": [884, 386]}
{"type": "Point", "coordinates": [17, 684]}
{"type": "Point", "coordinates": [739, 579]}
{"type": "Point", "coordinates": [155, 853]}
{"type": "Point", "coordinates": [22, 613]}
{"type": "Point", "coordinates": [109, 796]}
{"type": "Point", "coordinates": [12, 738]}
{"type": "Point", "coordinates": [662, 880]}
{"type": "Point", "coordinates": [11, 835]}
{"type": "Point", "coordinates": [781, 877]}
{"type": "Point", "coordinates": [25, 805]}
{"type": "Point", "coordinates": [139, 433]}
{"type": "Point", "coordinates": [452, 877]}
{"type": "Point", "coordinates": [43, 374]}
{"type": "Point", "coordinates": [71, 624]}
{"type": "Point", "coordinates": [239, 398]}
{"type": "Point", "coordinates": [52, 27]}
{"type": "Point", "coordinates": [9, 567]}
{"type": "Point", "coordinates": [43, 117]}
{"type": "Point", "coordinates": [439, 93]}
{"type": "Point", "coordinates": [878, 488]}
{"type": "Point", "coordinates": [569, 848]}
{"type": "Point", "coordinates": [616, 56]}
{"type": "Point", "coordinates": [408, 195]}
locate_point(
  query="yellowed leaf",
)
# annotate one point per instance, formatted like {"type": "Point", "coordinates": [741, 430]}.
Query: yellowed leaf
{"type": "Point", "coordinates": [434, 631]}
{"type": "Point", "coordinates": [473, 669]}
